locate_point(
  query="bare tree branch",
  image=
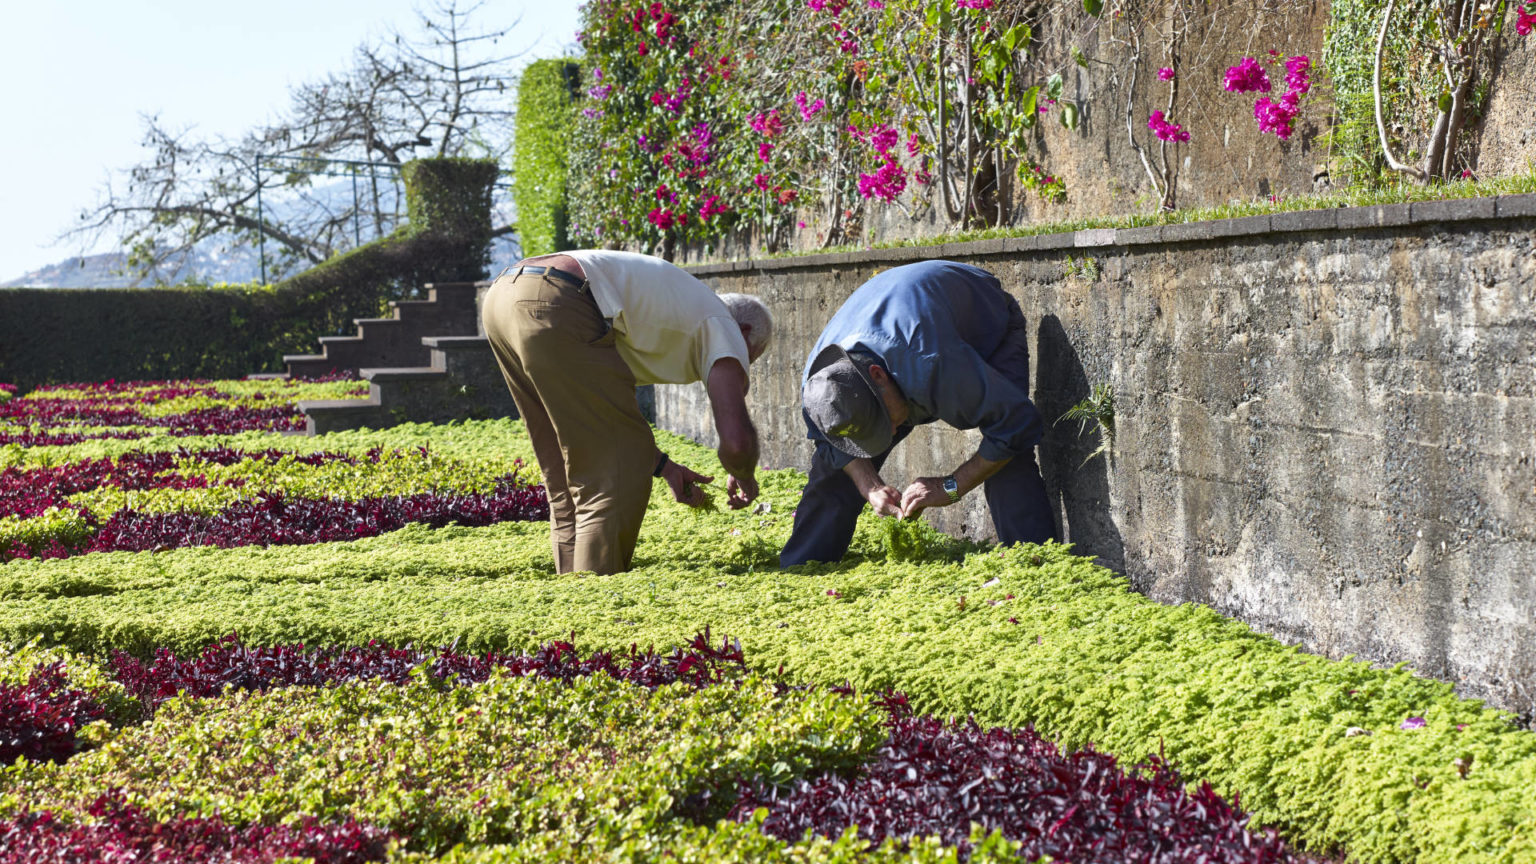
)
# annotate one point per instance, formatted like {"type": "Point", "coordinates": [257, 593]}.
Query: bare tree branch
{"type": "Point", "coordinates": [442, 93]}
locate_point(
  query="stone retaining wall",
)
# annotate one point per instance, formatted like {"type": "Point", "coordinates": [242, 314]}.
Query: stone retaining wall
{"type": "Point", "coordinates": [1326, 420]}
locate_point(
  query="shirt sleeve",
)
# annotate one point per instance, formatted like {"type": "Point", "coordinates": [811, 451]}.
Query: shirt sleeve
{"type": "Point", "coordinates": [967, 393]}
{"type": "Point", "coordinates": [717, 338]}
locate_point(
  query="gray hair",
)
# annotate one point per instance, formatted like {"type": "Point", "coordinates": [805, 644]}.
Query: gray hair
{"type": "Point", "coordinates": [751, 311]}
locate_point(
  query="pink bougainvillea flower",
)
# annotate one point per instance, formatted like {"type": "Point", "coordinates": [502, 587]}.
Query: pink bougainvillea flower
{"type": "Point", "coordinates": [1466, 173]}
{"type": "Point", "coordinates": [712, 207]}
{"type": "Point", "coordinates": [974, 4]}
{"type": "Point", "coordinates": [768, 125]}
{"type": "Point", "coordinates": [760, 181]}
{"type": "Point", "coordinates": [764, 151]}
{"type": "Point", "coordinates": [1296, 69]}
{"type": "Point", "coordinates": [1165, 74]}
{"type": "Point", "coordinates": [883, 138]}
{"type": "Point", "coordinates": [886, 184]}
{"type": "Point", "coordinates": [912, 145]}
{"type": "Point", "coordinates": [1247, 77]}
{"type": "Point", "coordinates": [800, 224]}
{"type": "Point", "coordinates": [1412, 723]}
{"type": "Point", "coordinates": [1526, 21]}
{"type": "Point", "coordinates": [876, 4]}
{"type": "Point", "coordinates": [664, 28]}
{"type": "Point", "coordinates": [641, 49]}
{"type": "Point", "coordinates": [1164, 130]}
{"type": "Point", "coordinates": [808, 109]}
{"type": "Point", "coordinates": [785, 196]}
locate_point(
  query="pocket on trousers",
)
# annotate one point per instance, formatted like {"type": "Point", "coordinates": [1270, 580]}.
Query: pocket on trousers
{"type": "Point", "coordinates": [541, 311]}
{"type": "Point", "coordinates": [608, 339]}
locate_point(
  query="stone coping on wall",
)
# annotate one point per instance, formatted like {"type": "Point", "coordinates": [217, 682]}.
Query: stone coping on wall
{"type": "Point", "coordinates": [1326, 219]}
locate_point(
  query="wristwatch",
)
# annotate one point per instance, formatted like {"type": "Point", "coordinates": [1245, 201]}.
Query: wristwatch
{"type": "Point", "coordinates": [952, 488]}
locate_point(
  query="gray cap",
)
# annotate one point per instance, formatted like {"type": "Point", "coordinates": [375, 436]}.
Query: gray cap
{"type": "Point", "coordinates": [843, 402]}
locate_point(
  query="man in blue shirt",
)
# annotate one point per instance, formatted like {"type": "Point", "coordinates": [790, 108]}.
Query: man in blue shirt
{"type": "Point", "coordinates": [929, 341]}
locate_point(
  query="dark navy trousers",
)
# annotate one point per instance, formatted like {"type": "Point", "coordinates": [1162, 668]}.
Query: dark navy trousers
{"type": "Point", "coordinates": [830, 505]}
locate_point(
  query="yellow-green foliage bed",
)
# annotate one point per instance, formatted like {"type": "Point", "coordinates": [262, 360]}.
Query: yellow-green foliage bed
{"type": "Point", "coordinates": [1027, 635]}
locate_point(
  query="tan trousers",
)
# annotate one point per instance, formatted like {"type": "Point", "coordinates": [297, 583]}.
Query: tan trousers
{"type": "Point", "coordinates": [577, 397]}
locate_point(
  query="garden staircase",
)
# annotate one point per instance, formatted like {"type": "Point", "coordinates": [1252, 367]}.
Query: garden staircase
{"type": "Point", "coordinates": [395, 342]}
{"type": "Point", "coordinates": [460, 382]}
{"type": "Point", "coordinates": [427, 363]}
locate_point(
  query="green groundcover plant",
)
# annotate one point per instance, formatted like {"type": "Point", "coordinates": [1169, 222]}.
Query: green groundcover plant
{"type": "Point", "coordinates": [495, 762]}
{"type": "Point", "coordinates": [1339, 755]}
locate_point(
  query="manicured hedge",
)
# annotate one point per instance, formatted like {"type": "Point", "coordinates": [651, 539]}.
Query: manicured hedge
{"type": "Point", "coordinates": [545, 118]}
{"type": "Point", "coordinates": [1332, 753]}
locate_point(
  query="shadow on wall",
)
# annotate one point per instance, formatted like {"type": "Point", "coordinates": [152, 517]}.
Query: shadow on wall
{"type": "Point", "coordinates": [1079, 492]}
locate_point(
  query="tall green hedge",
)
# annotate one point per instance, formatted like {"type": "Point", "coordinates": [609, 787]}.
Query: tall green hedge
{"type": "Point", "coordinates": [50, 334]}
{"type": "Point", "coordinates": [545, 115]}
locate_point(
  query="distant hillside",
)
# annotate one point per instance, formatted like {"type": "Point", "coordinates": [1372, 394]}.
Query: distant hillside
{"type": "Point", "coordinates": [213, 264]}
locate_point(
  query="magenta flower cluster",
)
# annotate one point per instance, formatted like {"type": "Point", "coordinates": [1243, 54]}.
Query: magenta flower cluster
{"type": "Point", "coordinates": [1165, 74]}
{"type": "Point", "coordinates": [1247, 77]}
{"type": "Point", "coordinates": [808, 109]}
{"type": "Point", "coordinates": [1273, 116]}
{"type": "Point", "coordinates": [889, 181]}
{"type": "Point", "coordinates": [1165, 130]}
{"type": "Point", "coordinates": [1525, 20]}
{"type": "Point", "coordinates": [1276, 117]}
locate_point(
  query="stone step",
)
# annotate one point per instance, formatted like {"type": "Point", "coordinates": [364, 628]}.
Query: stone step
{"type": "Point", "coordinates": [337, 415]}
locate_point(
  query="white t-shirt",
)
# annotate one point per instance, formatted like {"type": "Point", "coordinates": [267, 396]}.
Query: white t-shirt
{"type": "Point", "coordinates": [671, 328]}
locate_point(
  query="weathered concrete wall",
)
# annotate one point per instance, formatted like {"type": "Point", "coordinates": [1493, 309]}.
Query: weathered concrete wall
{"type": "Point", "coordinates": [1325, 419]}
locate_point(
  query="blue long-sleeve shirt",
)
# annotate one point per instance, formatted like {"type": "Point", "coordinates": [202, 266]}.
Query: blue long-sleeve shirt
{"type": "Point", "coordinates": [933, 324]}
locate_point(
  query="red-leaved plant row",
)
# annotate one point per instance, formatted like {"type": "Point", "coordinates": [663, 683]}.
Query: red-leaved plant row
{"type": "Point", "coordinates": [930, 779]}
{"type": "Point", "coordinates": [229, 663]}
{"type": "Point", "coordinates": [937, 779]}
{"type": "Point", "coordinates": [40, 720]}
{"type": "Point", "coordinates": [270, 519]}
{"type": "Point", "coordinates": [115, 404]}
{"type": "Point", "coordinates": [119, 833]}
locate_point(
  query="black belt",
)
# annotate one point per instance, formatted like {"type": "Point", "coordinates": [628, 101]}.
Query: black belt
{"type": "Point", "coordinates": [572, 279]}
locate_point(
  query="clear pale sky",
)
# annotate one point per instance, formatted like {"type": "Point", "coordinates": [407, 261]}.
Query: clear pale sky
{"type": "Point", "coordinates": [76, 76]}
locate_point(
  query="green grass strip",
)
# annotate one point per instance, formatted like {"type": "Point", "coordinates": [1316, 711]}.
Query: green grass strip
{"type": "Point", "coordinates": [1074, 651]}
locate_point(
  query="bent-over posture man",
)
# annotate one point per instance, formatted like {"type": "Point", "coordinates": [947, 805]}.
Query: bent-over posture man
{"type": "Point", "coordinates": [573, 334]}
{"type": "Point", "coordinates": [929, 341]}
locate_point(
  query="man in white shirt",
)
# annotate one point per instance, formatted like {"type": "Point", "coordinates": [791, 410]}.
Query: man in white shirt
{"type": "Point", "coordinates": [574, 333]}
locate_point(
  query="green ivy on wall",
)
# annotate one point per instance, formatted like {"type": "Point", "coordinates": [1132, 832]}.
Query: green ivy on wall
{"type": "Point", "coordinates": [545, 99]}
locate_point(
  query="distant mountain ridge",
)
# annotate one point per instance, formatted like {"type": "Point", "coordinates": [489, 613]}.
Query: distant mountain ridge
{"type": "Point", "coordinates": [210, 262]}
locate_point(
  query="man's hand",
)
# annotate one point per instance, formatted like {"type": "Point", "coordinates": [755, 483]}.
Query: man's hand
{"type": "Point", "coordinates": [924, 492]}
{"type": "Point", "coordinates": [885, 499]}
{"type": "Point", "coordinates": [743, 491]}
{"type": "Point", "coordinates": [684, 484]}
